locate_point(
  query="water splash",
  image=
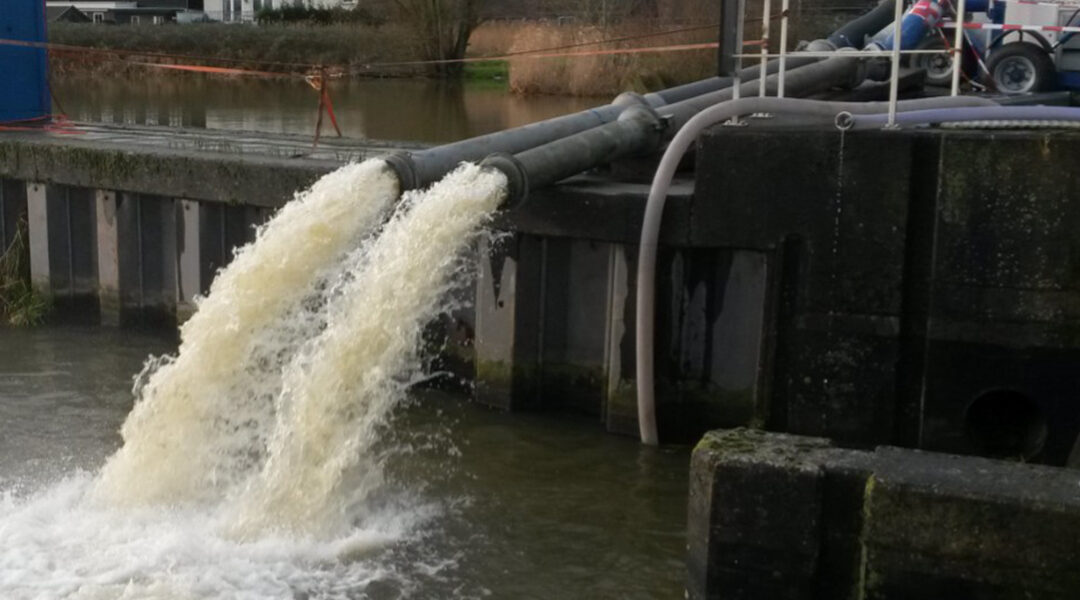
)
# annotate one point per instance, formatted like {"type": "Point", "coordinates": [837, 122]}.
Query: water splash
{"type": "Point", "coordinates": [340, 390]}
{"type": "Point", "coordinates": [199, 417]}
{"type": "Point", "coordinates": [254, 461]}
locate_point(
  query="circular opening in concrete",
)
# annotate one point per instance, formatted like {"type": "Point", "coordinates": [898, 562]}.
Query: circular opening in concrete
{"type": "Point", "coordinates": [1006, 424]}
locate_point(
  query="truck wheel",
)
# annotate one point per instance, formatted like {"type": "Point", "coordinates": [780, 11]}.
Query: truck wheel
{"type": "Point", "coordinates": [938, 67]}
{"type": "Point", "coordinates": [1021, 68]}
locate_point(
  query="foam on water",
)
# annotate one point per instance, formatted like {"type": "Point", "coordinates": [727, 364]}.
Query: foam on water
{"type": "Point", "coordinates": [253, 463]}
{"type": "Point", "coordinates": [58, 545]}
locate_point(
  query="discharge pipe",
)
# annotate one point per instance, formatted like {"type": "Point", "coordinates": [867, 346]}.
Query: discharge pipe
{"type": "Point", "coordinates": [654, 209]}
{"type": "Point", "coordinates": [640, 130]}
{"type": "Point", "coordinates": [422, 168]}
{"type": "Point", "coordinates": [988, 114]}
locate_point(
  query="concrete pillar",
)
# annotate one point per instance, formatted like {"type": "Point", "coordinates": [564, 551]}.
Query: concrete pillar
{"type": "Point", "coordinates": [620, 393]}
{"type": "Point", "coordinates": [508, 307]}
{"type": "Point", "coordinates": [189, 263]}
{"type": "Point", "coordinates": [38, 227]}
{"type": "Point", "coordinates": [108, 258]}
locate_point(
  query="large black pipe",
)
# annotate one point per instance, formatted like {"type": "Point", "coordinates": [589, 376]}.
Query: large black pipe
{"type": "Point", "coordinates": [854, 34]}
{"type": "Point", "coordinates": [640, 130]}
{"type": "Point", "coordinates": [422, 168]}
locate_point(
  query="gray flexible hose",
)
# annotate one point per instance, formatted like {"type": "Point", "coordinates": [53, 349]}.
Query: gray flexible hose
{"type": "Point", "coordinates": [654, 210]}
{"type": "Point", "coordinates": [968, 113]}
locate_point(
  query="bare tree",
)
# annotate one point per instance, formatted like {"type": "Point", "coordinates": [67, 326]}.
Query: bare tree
{"type": "Point", "coordinates": [442, 28]}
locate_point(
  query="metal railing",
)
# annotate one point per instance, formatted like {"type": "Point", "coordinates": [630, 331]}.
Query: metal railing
{"type": "Point", "coordinates": [894, 54]}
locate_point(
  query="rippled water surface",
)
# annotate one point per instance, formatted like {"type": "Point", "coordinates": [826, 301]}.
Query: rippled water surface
{"type": "Point", "coordinates": [481, 504]}
{"type": "Point", "coordinates": [388, 109]}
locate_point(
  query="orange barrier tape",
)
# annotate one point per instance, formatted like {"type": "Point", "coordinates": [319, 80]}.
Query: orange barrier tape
{"type": "Point", "coordinates": [215, 70]}
{"type": "Point", "coordinates": [641, 50]}
{"type": "Point", "coordinates": [50, 123]}
{"type": "Point", "coordinates": [309, 67]}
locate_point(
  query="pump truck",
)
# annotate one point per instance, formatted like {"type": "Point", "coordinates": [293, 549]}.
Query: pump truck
{"type": "Point", "coordinates": [1011, 46]}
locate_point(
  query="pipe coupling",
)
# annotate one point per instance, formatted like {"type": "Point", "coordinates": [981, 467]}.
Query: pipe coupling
{"type": "Point", "coordinates": [516, 177]}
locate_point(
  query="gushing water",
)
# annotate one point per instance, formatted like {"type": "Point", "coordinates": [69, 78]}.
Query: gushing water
{"type": "Point", "coordinates": [200, 417]}
{"type": "Point", "coordinates": [253, 461]}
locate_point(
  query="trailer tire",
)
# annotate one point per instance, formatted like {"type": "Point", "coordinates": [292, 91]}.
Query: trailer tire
{"type": "Point", "coordinates": [938, 67]}
{"type": "Point", "coordinates": [1021, 68]}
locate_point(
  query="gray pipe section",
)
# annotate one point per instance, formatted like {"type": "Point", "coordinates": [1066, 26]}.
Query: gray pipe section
{"type": "Point", "coordinates": [947, 115]}
{"type": "Point", "coordinates": [854, 34]}
{"type": "Point", "coordinates": [639, 130]}
{"type": "Point", "coordinates": [654, 210]}
{"type": "Point", "coordinates": [422, 168]}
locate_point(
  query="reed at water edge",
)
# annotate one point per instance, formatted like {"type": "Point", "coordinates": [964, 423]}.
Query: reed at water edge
{"type": "Point", "coordinates": [20, 303]}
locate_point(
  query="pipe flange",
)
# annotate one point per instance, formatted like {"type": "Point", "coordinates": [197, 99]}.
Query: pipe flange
{"type": "Point", "coordinates": [405, 169]}
{"type": "Point", "coordinates": [516, 177]}
{"type": "Point", "coordinates": [643, 112]}
{"type": "Point", "coordinates": [628, 99]}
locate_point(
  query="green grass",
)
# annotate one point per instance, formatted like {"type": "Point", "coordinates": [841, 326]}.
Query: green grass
{"type": "Point", "coordinates": [496, 70]}
{"type": "Point", "coordinates": [20, 303]}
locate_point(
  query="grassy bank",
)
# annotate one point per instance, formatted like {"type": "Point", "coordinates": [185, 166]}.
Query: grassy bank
{"type": "Point", "coordinates": [347, 45]}
{"type": "Point", "coordinates": [355, 46]}
{"type": "Point", "coordinates": [593, 75]}
{"type": "Point", "coordinates": [20, 304]}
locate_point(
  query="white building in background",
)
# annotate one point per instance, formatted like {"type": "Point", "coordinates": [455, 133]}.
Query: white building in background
{"type": "Point", "coordinates": [245, 10]}
{"type": "Point", "coordinates": [99, 11]}
{"type": "Point", "coordinates": [135, 11]}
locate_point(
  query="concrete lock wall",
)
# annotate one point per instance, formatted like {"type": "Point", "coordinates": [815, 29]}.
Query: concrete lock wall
{"type": "Point", "coordinates": [928, 285]}
{"type": "Point", "coordinates": [783, 516]}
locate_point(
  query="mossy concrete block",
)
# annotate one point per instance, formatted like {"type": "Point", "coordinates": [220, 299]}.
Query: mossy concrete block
{"type": "Point", "coordinates": [783, 516]}
{"type": "Point", "coordinates": [754, 516]}
{"type": "Point", "coordinates": [943, 526]}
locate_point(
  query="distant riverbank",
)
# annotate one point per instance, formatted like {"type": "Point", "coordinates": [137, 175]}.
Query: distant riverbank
{"type": "Point", "coordinates": [356, 50]}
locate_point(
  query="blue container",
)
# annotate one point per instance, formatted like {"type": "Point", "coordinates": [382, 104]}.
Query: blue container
{"type": "Point", "coordinates": [24, 91]}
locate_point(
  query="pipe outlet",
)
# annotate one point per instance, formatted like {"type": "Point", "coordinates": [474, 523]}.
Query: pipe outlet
{"type": "Point", "coordinates": [516, 177]}
{"type": "Point", "coordinates": [405, 169]}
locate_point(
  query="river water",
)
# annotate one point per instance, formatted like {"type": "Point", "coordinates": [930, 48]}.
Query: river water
{"type": "Point", "coordinates": [503, 506]}
{"type": "Point", "coordinates": [386, 109]}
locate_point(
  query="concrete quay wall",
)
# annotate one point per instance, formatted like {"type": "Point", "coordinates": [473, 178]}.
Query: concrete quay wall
{"type": "Point", "coordinates": [783, 516]}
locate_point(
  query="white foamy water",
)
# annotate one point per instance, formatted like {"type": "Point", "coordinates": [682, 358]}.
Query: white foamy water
{"type": "Point", "coordinates": [323, 463]}
{"type": "Point", "coordinates": [199, 416]}
{"type": "Point", "coordinates": [57, 545]}
{"type": "Point", "coordinates": [253, 462]}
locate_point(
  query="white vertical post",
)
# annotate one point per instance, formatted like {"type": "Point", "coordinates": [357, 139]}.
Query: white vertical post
{"type": "Point", "coordinates": [765, 16]}
{"type": "Point", "coordinates": [108, 256]}
{"type": "Point", "coordinates": [894, 79]}
{"type": "Point", "coordinates": [737, 80]}
{"type": "Point", "coordinates": [37, 220]}
{"type": "Point", "coordinates": [189, 260]}
{"type": "Point", "coordinates": [958, 48]}
{"type": "Point", "coordinates": [783, 48]}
